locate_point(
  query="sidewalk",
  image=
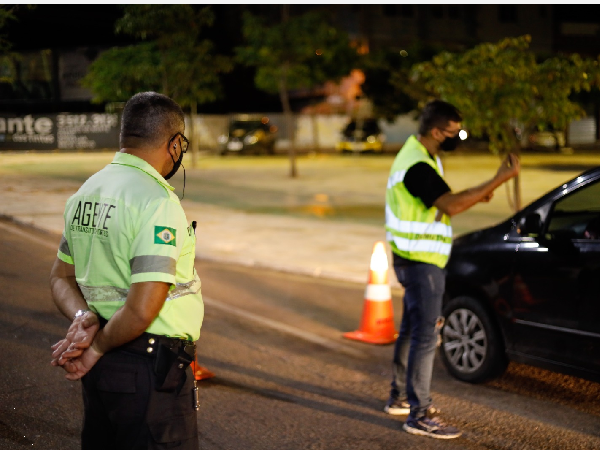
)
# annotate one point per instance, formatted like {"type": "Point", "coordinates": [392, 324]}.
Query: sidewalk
{"type": "Point", "coordinates": [227, 198]}
{"type": "Point", "coordinates": [332, 250]}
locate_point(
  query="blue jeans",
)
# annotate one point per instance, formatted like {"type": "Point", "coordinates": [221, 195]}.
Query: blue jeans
{"type": "Point", "coordinates": [415, 347]}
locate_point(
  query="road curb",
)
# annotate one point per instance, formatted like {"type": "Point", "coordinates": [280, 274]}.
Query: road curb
{"type": "Point", "coordinates": [316, 273]}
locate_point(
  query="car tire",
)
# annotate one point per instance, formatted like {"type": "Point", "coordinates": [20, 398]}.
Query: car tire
{"type": "Point", "coordinates": [471, 347]}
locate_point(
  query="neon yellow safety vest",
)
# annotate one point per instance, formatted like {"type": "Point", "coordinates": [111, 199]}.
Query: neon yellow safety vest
{"type": "Point", "coordinates": [125, 225]}
{"type": "Point", "coordinates": [414, 231]}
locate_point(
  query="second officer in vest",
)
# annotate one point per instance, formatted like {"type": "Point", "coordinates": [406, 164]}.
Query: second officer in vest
{"type": "Point", "coordinates": [419, 204]}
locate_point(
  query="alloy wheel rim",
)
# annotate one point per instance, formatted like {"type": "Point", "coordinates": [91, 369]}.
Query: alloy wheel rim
{"type": "Point", "coordinates": [465, 340]}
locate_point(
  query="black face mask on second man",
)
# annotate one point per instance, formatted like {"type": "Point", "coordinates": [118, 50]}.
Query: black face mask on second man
{"type": "Point", "coordinates": [450, 143]}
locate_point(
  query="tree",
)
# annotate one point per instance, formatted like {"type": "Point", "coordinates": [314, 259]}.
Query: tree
{"type": "Point", "coordinates": [6, 63]}
{"type": "Point", "coordinates": [171, 59]}
{"type": "Point", "coordinates": [121, 72]}
{"type": "Point", "coordinates": [6, 15]}
{"type": "Point", "coordinates": [501, 86]}
{"type": "Point", "coordinates": [299, 52]}
{"type": "Point", "coordinates": [386, 70]}
{"type": "Point", "coordinates": [7, 57]}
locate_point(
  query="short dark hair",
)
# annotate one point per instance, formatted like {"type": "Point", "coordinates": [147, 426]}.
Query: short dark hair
{"type": "Point", "coordinates": [437, 114]}
{"type": "Point", "coordinates": [148, 119]}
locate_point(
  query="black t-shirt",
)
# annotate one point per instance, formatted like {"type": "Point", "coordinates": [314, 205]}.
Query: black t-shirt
{"type": "Point", "coordinates": [422, 181]}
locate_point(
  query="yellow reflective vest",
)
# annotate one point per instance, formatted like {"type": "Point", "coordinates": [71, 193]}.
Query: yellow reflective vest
{"type": "Point", "coordinates": [415, 232]}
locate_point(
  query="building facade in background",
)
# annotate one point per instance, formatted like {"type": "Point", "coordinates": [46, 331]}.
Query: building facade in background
{"type": "Point", "coordinates": [57, 43]}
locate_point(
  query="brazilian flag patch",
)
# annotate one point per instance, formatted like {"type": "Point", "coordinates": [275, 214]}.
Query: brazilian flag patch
{"type": "Point", "coordinates": [165, 235]}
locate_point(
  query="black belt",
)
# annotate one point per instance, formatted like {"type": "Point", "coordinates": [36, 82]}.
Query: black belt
{"type": "Point", "coordinates": [147, 343]}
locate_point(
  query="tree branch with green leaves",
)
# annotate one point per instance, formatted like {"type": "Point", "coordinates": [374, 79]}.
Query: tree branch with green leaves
{"type": "Point", "coordinates": [299, 52]}
{"type": "Point", "coordinates": [500, 87]}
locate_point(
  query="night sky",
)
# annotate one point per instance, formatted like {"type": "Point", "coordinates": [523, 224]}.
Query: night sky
{"type": "Point", "coordinates": [67, 26]}
{"type": "Point", "coordinates": [81, 25]}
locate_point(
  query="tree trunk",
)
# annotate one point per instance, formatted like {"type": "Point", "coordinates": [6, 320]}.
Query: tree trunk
{"type": "Point", "coordinates": [194, 144]}
{"type": "Point", "coordinates": [315, 130]}
{"type": "Point", "coordinates": [516, 184]}
{"type": "Point", "coordinates": [517, 193]}
{"type": "Point", "coordinates": [516, 180]}
{"type": "Point", "coordinates": [285, 103]}
{"type": "Point", "coordinates": [289, 121]}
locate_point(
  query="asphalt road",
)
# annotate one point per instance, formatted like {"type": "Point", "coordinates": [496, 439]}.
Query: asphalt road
{"type": "Point", "coordinates": [286, 379]}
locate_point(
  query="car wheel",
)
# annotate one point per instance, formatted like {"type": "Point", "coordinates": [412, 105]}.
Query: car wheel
{"type": "Point", "coordinates": [472, 348]}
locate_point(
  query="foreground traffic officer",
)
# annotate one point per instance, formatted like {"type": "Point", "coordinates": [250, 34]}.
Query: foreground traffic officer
{"type": "Point", "coordinates": [125, 276]}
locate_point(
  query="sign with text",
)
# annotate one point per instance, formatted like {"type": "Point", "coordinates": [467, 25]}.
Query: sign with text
{"type": "Point", "coordinates": [64, 131]}
{"type": "Point", "coordinates": [87, 131]}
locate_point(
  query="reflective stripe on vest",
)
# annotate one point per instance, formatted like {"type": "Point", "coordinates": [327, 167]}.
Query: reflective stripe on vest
{"type": "Point", "coordinates": [416, 228]}
{"type": "Point", "coordinates": [422, 246]}
{"type": "Point", "coordinates": [114, 294]}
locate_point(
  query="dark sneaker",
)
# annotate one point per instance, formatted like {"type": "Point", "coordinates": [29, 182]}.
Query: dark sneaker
{"type": "Point", "coordinates": [433, 428]}
{"type": "Point", "coordinates": [397, 407]}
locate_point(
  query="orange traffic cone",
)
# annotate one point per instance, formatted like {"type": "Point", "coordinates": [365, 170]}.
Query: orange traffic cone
{"type": "Point", "coordinates": [200, 373]}
{"type": "Point", "coordinates": [377, 322]}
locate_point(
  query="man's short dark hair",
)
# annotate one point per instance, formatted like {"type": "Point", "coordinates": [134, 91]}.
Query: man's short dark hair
{"type": "Point", "coordinates": [149, 118]}
{"type": "Point", "coordinates": [437, 114]}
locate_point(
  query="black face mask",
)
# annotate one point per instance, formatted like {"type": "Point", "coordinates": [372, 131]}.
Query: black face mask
{"type": "Point", "coordinates": [174, 170]}
{"type": "Point", "coordinates": [450, 143]}
{"type": "Point", "coordinates": [176, 165]}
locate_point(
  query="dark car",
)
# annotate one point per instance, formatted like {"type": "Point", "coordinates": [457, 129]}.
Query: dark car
{"type": "Point", "coordinates": [248, 134]}
{"type": "Point", "coordinates": [361, 135]}
{"type": "Point", "coordinates": [528, 289]}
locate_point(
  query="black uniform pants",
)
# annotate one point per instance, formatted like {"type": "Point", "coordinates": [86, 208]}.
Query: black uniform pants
{"type": "Point", "coordinates": [123, 409]}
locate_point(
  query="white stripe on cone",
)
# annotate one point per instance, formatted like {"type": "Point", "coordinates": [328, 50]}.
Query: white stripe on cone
{"type": "Point", "coordinates": [378, 292]}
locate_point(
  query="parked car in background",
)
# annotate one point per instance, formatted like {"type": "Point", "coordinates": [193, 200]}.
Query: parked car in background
{"type": "Point", "coordinates": [361, 135]}
{"type": "Point", "coordinates": [537, 138]}
{"type": "Point", "coordinates": [248, 134]}
{"type": "Point", "coordinates": [528, 289]}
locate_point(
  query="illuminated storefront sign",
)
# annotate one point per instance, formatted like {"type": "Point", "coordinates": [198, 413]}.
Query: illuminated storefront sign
{"type": "Point", "coordinates": [64, 131]}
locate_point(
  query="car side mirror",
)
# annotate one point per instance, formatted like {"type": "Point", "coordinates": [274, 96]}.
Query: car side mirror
{"type": "Point", "coordinates": [531, 224]}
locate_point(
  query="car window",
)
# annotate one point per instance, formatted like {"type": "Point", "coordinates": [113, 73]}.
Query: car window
{"type": "Point", "coordinates": [247, 125]}
{"type": "Point", "coordinates": [577, 216]}
{"type": "Point", "coordinates": [368, 127]}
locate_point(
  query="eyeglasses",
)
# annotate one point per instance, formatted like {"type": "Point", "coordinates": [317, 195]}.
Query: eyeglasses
{"type": "Point", "coordinates": [449, 131]}
{"type": "Point", "coordinates": [185, 143]}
